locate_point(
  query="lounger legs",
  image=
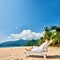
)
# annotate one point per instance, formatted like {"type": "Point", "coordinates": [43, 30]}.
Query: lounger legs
{"type": "Point", "coordinates": [44, 56]}
{"type": "Point", "coordinates": [27, 54]}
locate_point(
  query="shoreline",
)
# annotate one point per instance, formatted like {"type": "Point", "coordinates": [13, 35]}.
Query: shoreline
{"type": "Point", "coordinates": [26, 46]}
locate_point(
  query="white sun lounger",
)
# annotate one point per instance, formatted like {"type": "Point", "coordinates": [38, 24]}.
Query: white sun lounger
{"type": "Point", "coordinates": [28, 53]}
{"type": "Point", "coordinates": [44, 53]}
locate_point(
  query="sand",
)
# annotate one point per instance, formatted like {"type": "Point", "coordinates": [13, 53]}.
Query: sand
{"type": "Point", "coordinates": [17, 53]}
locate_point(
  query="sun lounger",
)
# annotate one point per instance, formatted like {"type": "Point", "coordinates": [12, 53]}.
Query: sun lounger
{"type": "Point", "coordinates": [28, 53]}
{"type": "Point", "coordinates": [43, 52]}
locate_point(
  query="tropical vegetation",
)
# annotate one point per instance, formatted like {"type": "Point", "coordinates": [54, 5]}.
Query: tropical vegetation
{"type": "Point", "coordinates": [52, 32]}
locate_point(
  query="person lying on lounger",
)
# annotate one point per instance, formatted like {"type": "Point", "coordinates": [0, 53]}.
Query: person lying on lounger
{"type": "Point", "coordinates": [41, 47]}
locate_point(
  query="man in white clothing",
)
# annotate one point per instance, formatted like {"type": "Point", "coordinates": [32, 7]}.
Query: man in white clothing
{"type": "Point", "coordinates": [40, 48]}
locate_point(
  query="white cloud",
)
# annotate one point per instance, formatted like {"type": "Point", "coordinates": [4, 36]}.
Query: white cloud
{"type": "Point", "coordinates": [27, 35]}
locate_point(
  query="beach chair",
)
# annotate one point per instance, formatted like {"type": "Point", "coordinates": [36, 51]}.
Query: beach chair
{"type": "Point", "coordinates": [43, 52]}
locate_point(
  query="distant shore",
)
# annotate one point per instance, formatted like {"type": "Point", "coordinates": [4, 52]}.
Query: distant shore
{"type": "Point", "coordinates": [58, 45]}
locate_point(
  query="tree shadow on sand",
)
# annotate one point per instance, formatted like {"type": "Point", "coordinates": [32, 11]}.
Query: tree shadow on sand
{"type": "Point", "coordinates": [48, 57]}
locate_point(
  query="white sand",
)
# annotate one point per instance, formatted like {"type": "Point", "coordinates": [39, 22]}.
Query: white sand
{"type": "Point", "coordinates": [17, 53]}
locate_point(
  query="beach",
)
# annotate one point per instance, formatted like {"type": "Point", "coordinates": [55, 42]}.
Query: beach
{"type": "Point", "coordinates": [17, 53]}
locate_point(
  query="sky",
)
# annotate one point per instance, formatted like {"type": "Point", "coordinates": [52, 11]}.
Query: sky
{"type": "Point", "coordinates": [17, 16]}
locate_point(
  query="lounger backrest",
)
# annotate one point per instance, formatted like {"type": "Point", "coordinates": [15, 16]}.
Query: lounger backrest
{"type": "Point", "coordinates": [47, 45]}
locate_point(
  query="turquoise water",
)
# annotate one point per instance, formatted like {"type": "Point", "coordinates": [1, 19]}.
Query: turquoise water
{"type": "Point", "coordinates": [10, 46]}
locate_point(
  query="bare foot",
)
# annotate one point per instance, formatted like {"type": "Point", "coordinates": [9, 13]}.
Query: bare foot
{"type": "Point", "coordinates": [27, 49]}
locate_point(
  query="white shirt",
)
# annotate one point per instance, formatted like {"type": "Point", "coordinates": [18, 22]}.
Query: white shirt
{"type": "Point", "coordinates": [40, 48]}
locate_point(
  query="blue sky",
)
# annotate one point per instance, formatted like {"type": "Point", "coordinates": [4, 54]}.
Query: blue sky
{"type": "Point", "coordinates": [19, 15]}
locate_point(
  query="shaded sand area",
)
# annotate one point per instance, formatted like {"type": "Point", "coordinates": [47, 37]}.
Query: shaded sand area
{"type": "Point", "coordinates": [17, 53]}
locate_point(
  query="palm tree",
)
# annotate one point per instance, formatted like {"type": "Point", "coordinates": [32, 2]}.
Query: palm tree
{"type": "Point", "coordinates": [53, 33]}
{"type": "Point", "coordinates": [53, 28]}
{"type": "Point", "coordinates": [46, 29]}
{"type": "Point", "coordinates": [40, 41]}
{"type": "Point", "coordinates": [56, 36]}
{"type": "Point", "coordinates": [48, 33]}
